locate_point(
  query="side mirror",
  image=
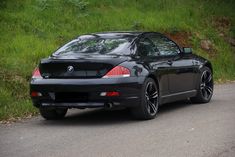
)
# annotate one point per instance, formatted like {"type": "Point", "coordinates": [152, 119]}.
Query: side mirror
{"type": "Point", "coordinates": [187, 50]}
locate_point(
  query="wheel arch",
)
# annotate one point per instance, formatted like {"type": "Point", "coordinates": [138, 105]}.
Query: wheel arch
{"type": "Point", "coordinates": [155, 79]}
{"type": "Point", "coordinates": [209, 65]}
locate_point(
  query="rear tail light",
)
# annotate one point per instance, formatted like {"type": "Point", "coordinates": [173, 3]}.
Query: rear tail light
{"type": "Point", "coordinates": [118, 71]}
{"type": "Point", "coordinates": [36, 73]}
{"type": "Point", "coordinates": [35, 94]}
{"type": "Point", "coordinates": [110, 94]}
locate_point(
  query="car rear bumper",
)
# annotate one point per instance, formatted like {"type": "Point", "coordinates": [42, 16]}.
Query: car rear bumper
{"type": "Point", "coordinates": [86, 93]}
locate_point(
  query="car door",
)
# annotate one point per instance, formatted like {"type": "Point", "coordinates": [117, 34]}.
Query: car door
{"type": "Point", "coordinates": [157, 65]}
{"type": "Point", "coordinates": [181, 74]}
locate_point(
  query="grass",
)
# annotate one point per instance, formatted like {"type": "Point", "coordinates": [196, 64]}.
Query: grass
{"type": "Point", "coordinates": [33, 29]}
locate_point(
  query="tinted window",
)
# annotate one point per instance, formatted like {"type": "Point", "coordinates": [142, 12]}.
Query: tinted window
{"type": "Point", "coordinates": [95, 45]}
{"type": "Point", "coordinates": [165, 46]}
{"type": "Point", "coordinates": [147, 48]}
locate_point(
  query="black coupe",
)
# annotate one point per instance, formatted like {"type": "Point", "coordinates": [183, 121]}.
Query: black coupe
{"type": "Point", "coordinates": [136, 70]}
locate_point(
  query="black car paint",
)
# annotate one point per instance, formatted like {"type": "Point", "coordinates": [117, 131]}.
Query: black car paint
{"type": "Point", "coordinates": [177, 76]}
{"type": "Point", "coordinates": [84, 67]}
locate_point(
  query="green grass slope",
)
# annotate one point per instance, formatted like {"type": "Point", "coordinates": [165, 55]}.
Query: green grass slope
{"type": "Point", "coordinates": [33, 29]}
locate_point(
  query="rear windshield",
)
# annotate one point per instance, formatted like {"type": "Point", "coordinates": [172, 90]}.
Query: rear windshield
{"type": "Point", "coordinates": [92, 44]}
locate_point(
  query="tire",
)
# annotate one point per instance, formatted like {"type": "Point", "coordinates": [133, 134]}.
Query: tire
{"type": "Point", "coordinates": [205, 87]}
{"type": "Point", "coordinates": [52, 113]}
{"type": "Point", "coordinates": [148, 107]}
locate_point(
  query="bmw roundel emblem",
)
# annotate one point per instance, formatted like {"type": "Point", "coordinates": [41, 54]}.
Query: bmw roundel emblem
{"type": "Point", "coordinates": [70, 69]}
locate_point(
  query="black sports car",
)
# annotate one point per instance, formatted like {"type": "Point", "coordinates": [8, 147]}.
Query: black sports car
{"type": "Point", "coordinates": [137, 70]}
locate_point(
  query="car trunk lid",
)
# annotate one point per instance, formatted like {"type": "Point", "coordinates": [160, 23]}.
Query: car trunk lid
{"type": "Point", "coordinates": [79, 67]}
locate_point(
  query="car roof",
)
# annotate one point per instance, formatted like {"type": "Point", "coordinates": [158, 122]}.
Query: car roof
{"type": "Point", "coordinates": [121, 33]}
{"type": "Point", "coordinates": [132, 33]}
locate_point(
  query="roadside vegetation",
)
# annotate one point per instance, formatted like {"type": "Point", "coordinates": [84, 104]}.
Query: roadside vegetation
{"type": "Point", "coordinates": [33, 29]}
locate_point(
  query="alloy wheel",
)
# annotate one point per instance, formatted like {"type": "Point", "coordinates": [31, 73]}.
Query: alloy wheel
{"type": "Point", "coordinates": [206, 85]}
{"type": "Point", "coordinates": [151, 97]}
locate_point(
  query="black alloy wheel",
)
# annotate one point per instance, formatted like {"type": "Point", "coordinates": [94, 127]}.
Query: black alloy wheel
{"type": "Point", "coordinates": [148, 107]}
{"type": "Point", "coordinates": [206, 87]}
{"type": "Point", "coordinates": [53, 113]}
{"type": "Point", "coordinates": [151, 98]}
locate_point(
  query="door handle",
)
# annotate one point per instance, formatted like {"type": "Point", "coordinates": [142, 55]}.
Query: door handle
{"type": "Point", "coordinates": [169, 62]}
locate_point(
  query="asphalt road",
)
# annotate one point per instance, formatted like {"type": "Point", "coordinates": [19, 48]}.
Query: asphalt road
{"type": "Point", "coordinates": [181, 129]}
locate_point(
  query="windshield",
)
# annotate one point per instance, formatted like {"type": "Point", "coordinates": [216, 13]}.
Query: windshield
{"type": "Point", "coordinates": [93, 44]}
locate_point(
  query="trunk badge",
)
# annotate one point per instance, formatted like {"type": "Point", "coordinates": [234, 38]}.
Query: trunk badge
{"type": "Point", "coordinates": [70, 69]}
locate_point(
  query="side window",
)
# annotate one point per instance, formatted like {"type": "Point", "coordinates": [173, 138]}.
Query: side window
{"type": "Point", "coordinates": [147, 48]}
{"type": "Point", "coordinates": [165, 46]}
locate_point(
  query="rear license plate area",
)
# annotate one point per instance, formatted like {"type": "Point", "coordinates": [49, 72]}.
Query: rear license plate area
{"type": "Point", "coordinates": [71, 97]}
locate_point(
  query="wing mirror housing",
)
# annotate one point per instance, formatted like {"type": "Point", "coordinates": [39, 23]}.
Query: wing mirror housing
{"type": "Point", "coordinates": [187, 50]}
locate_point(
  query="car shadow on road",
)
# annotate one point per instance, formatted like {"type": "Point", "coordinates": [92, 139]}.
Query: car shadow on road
{"type": "Point", "coordinates": [110, 117]}
{"type": "Point", "coordinates": [93, 117]}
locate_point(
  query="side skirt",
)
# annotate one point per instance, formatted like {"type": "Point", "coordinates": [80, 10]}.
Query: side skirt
{"type": "Point", "coordinates": [177, 96]}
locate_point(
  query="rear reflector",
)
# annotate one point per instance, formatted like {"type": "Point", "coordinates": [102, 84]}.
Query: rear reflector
{"type": "Point", "coordinates": [35, 94]}
{"type": "Point", "coordinates": [110, 94]}
{"type": "Point", "coordinates": [118, 71]}
{"type": "Point", "coordinates": [36, 73]}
